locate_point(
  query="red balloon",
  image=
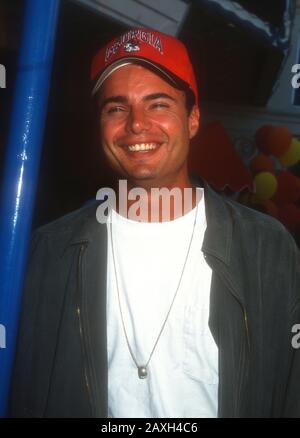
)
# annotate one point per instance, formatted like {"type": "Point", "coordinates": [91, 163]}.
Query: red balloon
{"type": "Point", "coordinates": [261, 138]}
{"type": "Point", "coordinates": [289, 215]}
{"type": "Point", "coordinates": [288, 190]}
{"type": "Point", "coordinates": [261, 163]}
{"type": "Point", "coordinates": [270, 208]}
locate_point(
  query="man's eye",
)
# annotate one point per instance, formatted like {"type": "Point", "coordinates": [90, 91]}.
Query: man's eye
{"type": "Point", "coordinates": [114, 109]}
{"type": "Point", "coordinates": [159, 105]}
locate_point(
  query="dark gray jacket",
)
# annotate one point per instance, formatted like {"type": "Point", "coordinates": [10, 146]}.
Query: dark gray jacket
{"type": "Point", "coordinates": [61, 362]}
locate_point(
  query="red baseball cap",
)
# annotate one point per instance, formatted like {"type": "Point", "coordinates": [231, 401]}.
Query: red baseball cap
{"type": "Point", "coordinates": [148, 47]}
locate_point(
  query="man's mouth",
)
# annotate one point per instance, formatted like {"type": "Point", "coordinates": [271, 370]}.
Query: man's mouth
{"type": "Point", "coordinates": [143, 147]}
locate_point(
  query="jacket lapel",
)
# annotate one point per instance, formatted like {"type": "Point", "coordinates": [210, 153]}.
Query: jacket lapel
{"type": "Point", "coordinates": [92, 302]}
{"type": "Point", "coordinates": [227, 303]}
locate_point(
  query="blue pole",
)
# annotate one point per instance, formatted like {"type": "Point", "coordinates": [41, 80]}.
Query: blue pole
{"type": "Point", "coordinates": [21, 171]}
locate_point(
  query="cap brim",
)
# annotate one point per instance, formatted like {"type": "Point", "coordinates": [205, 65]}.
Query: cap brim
{"type": "Point", "coordinates": [126, 61]}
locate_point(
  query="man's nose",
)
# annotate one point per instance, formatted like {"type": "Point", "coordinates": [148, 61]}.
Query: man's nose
{"type": "Point", "coordinates": [138, 121]}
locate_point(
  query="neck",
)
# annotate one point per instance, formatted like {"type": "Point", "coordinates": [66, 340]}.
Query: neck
{"type": "Point", "coordinates": [156, 204]}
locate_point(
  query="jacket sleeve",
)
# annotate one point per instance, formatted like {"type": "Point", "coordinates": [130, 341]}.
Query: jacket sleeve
{"type": "Point", "coordinates": [23, 381]}
{"type": "Point", "coordinates": [292, 400]}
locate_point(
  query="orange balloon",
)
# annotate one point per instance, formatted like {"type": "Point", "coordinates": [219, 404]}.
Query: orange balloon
{"type": "Point", "coordinates": [261, 163]}
{"type": "Point", "coordinates": [279, 140]}
{"type": "Point", "coordinates": [273, 140]}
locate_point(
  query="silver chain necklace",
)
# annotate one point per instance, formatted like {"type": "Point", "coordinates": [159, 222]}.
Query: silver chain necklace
{"type": "Point", "coordinates": [142, 369]}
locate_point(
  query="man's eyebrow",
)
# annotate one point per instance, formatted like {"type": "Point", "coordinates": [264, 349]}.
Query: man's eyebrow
{"type": "Point", "coordinates": [123, 99]}
{"type": "Point", "coordinates": [158, 96]}
{"type": "Point", "coordinates": [112, 99]}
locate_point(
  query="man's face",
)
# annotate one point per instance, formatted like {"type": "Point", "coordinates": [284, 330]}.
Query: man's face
{"type": "Point", "coordinates": [145, 128]}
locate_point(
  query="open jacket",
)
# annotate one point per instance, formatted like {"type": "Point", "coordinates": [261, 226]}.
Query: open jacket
{"type": "Point", "coordinates": [61, 360]}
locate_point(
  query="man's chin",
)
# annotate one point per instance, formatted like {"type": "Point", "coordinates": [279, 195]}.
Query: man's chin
{"type": "Point", "coordinates": [145, 175]}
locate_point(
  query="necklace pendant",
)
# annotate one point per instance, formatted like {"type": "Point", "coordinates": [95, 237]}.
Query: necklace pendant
{"type": "Point", "coordinates": [142, 372]}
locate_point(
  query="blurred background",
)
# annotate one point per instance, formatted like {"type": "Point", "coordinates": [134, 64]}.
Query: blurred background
{"type": "Point", "coordinates": [243, 52]}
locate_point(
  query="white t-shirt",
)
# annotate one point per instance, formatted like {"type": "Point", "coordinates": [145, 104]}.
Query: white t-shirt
{"type": "Point", "coordinates": [182, 376]}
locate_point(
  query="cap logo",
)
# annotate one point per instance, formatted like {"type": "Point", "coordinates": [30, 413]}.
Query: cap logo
{"type": "Point", "coordinates": [130, 41]}
{"type": "Point", "coordinates": [132, 46]}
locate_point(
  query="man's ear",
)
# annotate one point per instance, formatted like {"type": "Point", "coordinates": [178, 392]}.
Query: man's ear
{"type": "Point", "coordinates": [194, 121]}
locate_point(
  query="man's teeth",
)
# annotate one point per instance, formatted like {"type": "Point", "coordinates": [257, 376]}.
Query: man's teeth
{"type": "Point", "coordinates": [142, 147]}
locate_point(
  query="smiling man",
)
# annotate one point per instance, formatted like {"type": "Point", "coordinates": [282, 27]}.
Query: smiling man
{"type": "Point", "coordinates": [146, 127]}
{"type": "Point", "coordinates": [148, 110]}
{"type": "Point", "coordinates": [134, 317]}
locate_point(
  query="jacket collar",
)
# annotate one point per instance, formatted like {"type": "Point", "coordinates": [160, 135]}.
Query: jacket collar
{"type": "Point", "coordinates": [218, 235]}
{"type": "Point", "coordinates": [88, 229]}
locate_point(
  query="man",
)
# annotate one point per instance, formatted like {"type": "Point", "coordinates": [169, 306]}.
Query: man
{"type": "Point", "coordinates": [127, 313]}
